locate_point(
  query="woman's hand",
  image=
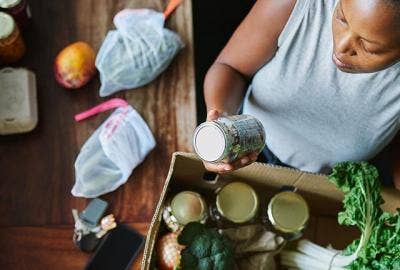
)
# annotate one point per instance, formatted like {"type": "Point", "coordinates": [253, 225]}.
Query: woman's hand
{"type": "Point", "coordinates": [227, 167]}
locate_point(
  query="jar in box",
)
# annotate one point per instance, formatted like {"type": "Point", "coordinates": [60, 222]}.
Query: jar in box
{"type": "Point", "coordinates": [18, 9]}
{"type": "Point", "coordinates": [288, 214]}
{"type": "Point", "coordinates": [12, 46]}
{"type": "Point", "coordinates": [235, 203]}
{"type": "Point", "coordinates": [185, 207]}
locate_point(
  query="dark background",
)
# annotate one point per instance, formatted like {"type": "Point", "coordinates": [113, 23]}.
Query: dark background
{"type": "Point", "coordinates": [213, 24]}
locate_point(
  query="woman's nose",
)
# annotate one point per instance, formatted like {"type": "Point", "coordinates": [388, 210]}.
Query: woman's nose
{"type": "Point", "coordinates": [344, 45]}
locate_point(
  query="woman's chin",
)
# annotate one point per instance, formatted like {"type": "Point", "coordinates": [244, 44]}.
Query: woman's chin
{"type": "Point", "coordinates": [348, 70]}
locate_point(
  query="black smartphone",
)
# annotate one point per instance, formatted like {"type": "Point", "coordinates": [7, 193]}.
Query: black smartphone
{"type": "Point", "coordinates": [118, 250]}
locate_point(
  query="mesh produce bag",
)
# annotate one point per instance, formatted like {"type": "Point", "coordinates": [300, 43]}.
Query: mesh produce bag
{"type": "Point", "coordinates": [108, 157]}
{"type": "Point", "coordinates": [137, 51]}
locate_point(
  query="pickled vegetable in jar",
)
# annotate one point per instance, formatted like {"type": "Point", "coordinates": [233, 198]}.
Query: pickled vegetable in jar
{"type": "Point", "coordinates": [12, 46]}
{"type": "Point", "coordinates": [229, 138]}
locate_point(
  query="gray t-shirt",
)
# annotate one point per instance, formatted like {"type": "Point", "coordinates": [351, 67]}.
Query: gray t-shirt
{"type": "Point", "coordinates": [314, 114]}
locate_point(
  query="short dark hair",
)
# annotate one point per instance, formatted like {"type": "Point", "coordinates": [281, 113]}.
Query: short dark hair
{"type": "Point", "coordinates": [395, 4]}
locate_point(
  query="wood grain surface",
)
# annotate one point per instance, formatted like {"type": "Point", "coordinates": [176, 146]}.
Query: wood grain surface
{"type": "Point", "coordinates": [46, 248]}
{"type": "Point", "coordinates": [36, 169]}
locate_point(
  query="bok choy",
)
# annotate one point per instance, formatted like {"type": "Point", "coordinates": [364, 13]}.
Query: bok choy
{"type": "Point", "coordinates": [379, 244]}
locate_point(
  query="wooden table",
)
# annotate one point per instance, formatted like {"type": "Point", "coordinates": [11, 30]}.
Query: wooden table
{"type": "Point", "coordinates": [36, 169]}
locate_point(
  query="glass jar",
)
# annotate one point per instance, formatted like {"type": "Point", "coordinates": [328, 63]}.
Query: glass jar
{"type": "Point", "coordinates": [185, 207]}
{"type": "Point", "coordinates": [12, 46]}
{"type": "Point", "coordinates": [288, 214]}
{"type": "Point", "coordinates": [235, 203]}
{"type": "Point", "coordinates": [229, 138]}
{"type": "Point", "coordinates": [19, 10]}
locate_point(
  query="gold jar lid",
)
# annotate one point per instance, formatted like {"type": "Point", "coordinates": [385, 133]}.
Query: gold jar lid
{"type": "Point", "coordinates": [7, 25]}
{"type": "Point", "coordinates": [237, 202]}
{"type": "Point", "coordinates": [288, 212]}
{"type": "Point", "coordinates": [188, 206]}
{"type": "Point", "coordinates": [9, 3]}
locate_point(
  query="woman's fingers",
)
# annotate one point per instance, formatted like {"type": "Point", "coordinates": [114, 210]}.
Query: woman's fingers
{"type": "Point", "coordinates": [244, 161]}
{"type": "Point", "coordinates": [228, 167]}
{"type": "Point", "coordinates": [253, 156]}
{"type": "Point", "coordinates": [218, 168]}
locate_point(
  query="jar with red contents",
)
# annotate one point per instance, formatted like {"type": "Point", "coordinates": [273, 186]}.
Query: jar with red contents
{"type": "Point", "coordinates": [19, 10]}
{"type": "Point", "coordinates": [12, 46]}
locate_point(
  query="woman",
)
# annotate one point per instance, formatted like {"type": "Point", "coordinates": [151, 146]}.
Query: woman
{"type": "Point", "coordinates": [325, 80]}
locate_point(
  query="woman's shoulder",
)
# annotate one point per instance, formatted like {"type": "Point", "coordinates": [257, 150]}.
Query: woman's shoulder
{"type": "Point", "coordinates": [255, 40]}
{"type": "Point", "coordinates": [308, 12]}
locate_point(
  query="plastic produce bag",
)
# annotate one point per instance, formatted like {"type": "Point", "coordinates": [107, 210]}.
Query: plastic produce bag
{"type": "Point", "coordinates": [137, 51]}
{"type": "Point", "coordinates": [108, 157]}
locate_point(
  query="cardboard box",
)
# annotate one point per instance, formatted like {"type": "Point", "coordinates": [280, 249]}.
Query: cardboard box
{"type": "Point", "coordinates": [187, 171]}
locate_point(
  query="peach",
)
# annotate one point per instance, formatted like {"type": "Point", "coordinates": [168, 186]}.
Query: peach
{"type": "Point", "coordinates": [74, 65]}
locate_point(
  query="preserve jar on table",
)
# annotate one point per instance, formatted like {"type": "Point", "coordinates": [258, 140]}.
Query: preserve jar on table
{"type": "Point", "coordinates": [12, 46]}
{"type": "Point", "coordinates": [19, 10]}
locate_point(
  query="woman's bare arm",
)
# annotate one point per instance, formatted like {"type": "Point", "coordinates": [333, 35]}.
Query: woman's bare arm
{"type": "Point", "coordinates": [253, 44]}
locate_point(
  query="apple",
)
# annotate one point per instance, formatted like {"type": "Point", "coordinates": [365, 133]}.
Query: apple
{"type": "Point", "coordinates": [75, 65]}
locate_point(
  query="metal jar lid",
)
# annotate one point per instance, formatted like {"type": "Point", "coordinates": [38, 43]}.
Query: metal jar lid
{"type": "Point", "coordinates": [7, 25]}
{"type": "Point", "coordinates": [288, 212]}
{"type": "Point", "coordinates": [188, 206]}
{"type": "Point", "coordinates": [209, 142]}
{"type": "Point", "coordinates": [9, 3]}
{"type": "Point", "coordinates": [237, 202]}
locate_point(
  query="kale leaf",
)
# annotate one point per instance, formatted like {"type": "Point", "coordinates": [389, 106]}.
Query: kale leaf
{"type": "Point", "coordinates": [379, 245]}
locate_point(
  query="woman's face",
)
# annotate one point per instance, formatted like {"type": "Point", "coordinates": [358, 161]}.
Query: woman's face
{"type": "Point", "coordinates": [366, 35]}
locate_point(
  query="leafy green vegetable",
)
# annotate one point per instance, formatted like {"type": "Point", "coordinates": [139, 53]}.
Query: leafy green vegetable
{"type": "Point", "coordinates": [383, 250]}
{"type": "Point", "coordinates": [379, 245]}
{"type": "Point", "coordinates": [205, 249]}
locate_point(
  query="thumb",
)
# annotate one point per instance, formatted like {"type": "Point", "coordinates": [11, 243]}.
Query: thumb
{"type": "Point", "coordinates": [212, 115]}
